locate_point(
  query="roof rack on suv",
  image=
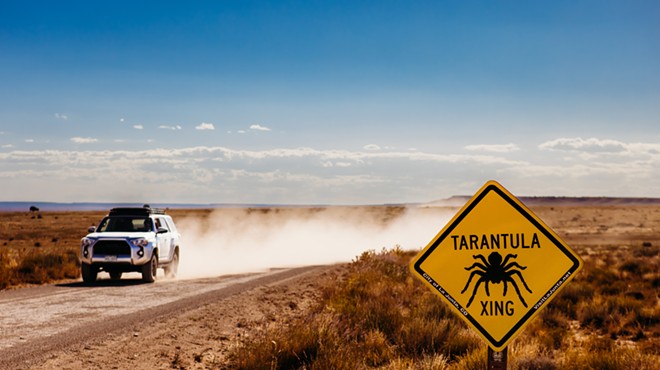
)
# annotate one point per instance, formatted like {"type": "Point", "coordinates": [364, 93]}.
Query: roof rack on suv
{"type": "Point", "coordinates": [136, 211]}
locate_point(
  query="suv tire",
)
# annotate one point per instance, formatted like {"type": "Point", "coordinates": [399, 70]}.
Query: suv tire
{"type": "Point", "coordinates": [88, 273]}
{"type": "Point", "coordinates": [149, 269]}
{"type": "Point", "coordinates": [115, 275]}
{"type": "Point", "coordinates": [172, 269]}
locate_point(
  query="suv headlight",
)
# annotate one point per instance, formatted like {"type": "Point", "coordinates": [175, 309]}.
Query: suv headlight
{"type": "Point", "coordinates": [86, 242]}
{"type": "Point", "coordinates": [140, 242]}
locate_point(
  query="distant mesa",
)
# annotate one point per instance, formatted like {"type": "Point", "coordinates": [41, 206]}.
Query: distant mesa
{"type": "Point", "coordinates": [460, 200]}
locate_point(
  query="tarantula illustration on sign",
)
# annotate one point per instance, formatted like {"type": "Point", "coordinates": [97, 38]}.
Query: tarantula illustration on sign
{"type": "Point", "coordinates": [495, 270]}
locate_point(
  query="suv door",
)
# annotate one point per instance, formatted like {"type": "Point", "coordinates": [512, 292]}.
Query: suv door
{"type": "Point", "coordinates": [164, 239]}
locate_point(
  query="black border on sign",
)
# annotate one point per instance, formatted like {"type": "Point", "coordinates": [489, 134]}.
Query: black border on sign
{"type": "Point", "coordinates": [537, 305]}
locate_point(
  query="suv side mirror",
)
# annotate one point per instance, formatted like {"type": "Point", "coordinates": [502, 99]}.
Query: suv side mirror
{"type": "Point", "coordinates": [91, 229]}
{"type": "Point", "coordinates": [161, 230]}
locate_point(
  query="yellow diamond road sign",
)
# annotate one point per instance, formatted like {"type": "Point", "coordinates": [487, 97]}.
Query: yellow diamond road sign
{"type": "Point", "coordinates": [497, 264]}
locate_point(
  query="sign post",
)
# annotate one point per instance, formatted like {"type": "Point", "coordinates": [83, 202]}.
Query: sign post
{"type": "Point", "coordinates": [496, 360]}
{"type": "Point", "coordinates": [497, 265]}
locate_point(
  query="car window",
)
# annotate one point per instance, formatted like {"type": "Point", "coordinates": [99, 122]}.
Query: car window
{"type": "Point", "coordinates": [125, 224]}
{"type": "Point", "coordinates": [170, 224]}
{"type": "Point", "coordinates": [160, 222]}
{"type": "Point", "coordinates": [143, 225]}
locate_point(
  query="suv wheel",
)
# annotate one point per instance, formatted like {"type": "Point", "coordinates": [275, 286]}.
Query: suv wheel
{"type": "Point", "coordinates": [88, 273]}
{"type": "Point", "coordinates": [172, 269]}
{"type": "Point", "coordinates": [149, 270]}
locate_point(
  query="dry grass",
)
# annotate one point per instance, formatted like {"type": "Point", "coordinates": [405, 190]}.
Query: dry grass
{"type": "Point", "coordinates": [378, 316]}
{"type": "Point", "coordinates": [37, 248]}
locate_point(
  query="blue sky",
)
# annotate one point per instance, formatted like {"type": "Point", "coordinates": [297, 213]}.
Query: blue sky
{"type": "Point", "coordinates": [335, 102]}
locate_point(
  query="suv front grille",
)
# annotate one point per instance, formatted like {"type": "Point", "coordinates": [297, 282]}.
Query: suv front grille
{"type": "Point", "coordinates": [112, 248]}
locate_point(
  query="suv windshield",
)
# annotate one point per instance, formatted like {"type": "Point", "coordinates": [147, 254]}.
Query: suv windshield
{"type": "Point", "coordinates": [125, 224]}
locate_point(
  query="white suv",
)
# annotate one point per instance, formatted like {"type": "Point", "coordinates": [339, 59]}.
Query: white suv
{"type": "Point", "coordinates": [131, 239]}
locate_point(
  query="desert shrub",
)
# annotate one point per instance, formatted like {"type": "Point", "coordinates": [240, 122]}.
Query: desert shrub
{"type": "Point", "coordinates": [39, 268]}
{"type": "Point", "coordinates": [552, 338]}
{"type": "Point", "coordinates": [616, 288]}
{"type": "Point", "coordinates": [476, 359]}
{"type": "Point", "coordinates": [296, 350]}
{"type": "Point", "coordinates": [646, 317]}
{"type": "Point", "coordinates": [611, 359]}
{"type": "Point", "coordinates": [461, 342]}
{"type": "Point", "coordinates": [655, 282]}
{"type": "Point", "coordinates": [607, 280]}
{"type": "Point", "coordinates": [593, 313]}
{"type": "Point", "coordinates": [649, 347]}
{"type": "Point", "coordinates": [6, 270]}
{"type": "Point", "coordinates": [548, 331]}
{"type": "Point", "coordinates": [568, 299]}
{"type": "Point", "coordinates": [635, 266]}
{"type": "Point", "coordinates": [289, 349]}
{"type": "Point", "coordinates": [616, 315]}
{"type": "Point", "coordinates": [526, 354]}
{"type": "Point", "coordinates": [623, 305]}
{"type": "Point", "coordinates": [635, 295]}
{"type": "Point", "coordinates": [430, 362]}
{"type": "Point", "coordinates": [422, 336]}
{"type": "Point", "coordinates": [632, 266]}
{"type": "Point", "coordinates": [366, 302]}
{"type": "Point", "coordinates": [646, 251]}
{"type": "Point", "coordinates": [554, 318]}
{"type": "Point", "coordinates": [542, 362]}
{"type": "Point", "coordinates": [375, 349]}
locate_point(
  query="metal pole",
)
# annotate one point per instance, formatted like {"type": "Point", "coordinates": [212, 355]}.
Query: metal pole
{"type": "Point", "coordinates": [496, 360]}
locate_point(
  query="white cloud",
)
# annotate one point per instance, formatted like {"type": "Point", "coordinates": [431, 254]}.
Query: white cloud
{"type": "Point", "coordinates": [121, 120]}
{"type": "Point", "coordinates": [328, 164]}
{"type": "Point", "coordinates": [61, 117]}
{"type": "Point", "coordinates": [29, 141]}
{"type": "Point", "coordinates": [8, 146]}
{"type": "Point", "coordinates": [240, 131]}
{"type": "Point", "coordinates": [205, 126]}
{"type": "Point", "coordinates": [371, 147]}
{"type": "Point", "coordinates": [592, 145]}
{"type": "Point", "coordinates": [493, 148]}
{"type": "Point", "coordinates": [83, 140]}
{"type": "Point", "coordinates": [173, 128]}
{"type": "Point", "coordinates": [138, 127]}
{"type": "Point", "coordinates": [603, 150]}
{"type": "Point", "coordinates": [258, 127]}
{"type": "Point", "coordinates": [310, 175]}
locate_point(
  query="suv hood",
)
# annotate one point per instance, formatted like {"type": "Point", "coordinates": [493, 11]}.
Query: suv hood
{"type": "Point", "coordinates": [122, 235]}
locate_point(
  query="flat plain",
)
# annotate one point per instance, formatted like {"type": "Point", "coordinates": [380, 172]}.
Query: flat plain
{"type": "Point", "coordinates": [367, 313]}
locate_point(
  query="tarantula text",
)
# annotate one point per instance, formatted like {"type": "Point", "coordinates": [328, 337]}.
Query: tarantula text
{"type": "Point", "coordinates": [495, 241]}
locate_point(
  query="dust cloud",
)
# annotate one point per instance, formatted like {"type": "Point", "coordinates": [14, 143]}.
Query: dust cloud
{"type": "Point", "coordinates": [230, 241]}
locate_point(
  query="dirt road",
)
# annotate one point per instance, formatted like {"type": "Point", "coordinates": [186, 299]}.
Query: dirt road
{"type": "Point", "coordinates": [74, 326]}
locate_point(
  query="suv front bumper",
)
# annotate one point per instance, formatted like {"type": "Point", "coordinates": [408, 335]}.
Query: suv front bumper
{"type": "Point", "coordinates": [115, 251]}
